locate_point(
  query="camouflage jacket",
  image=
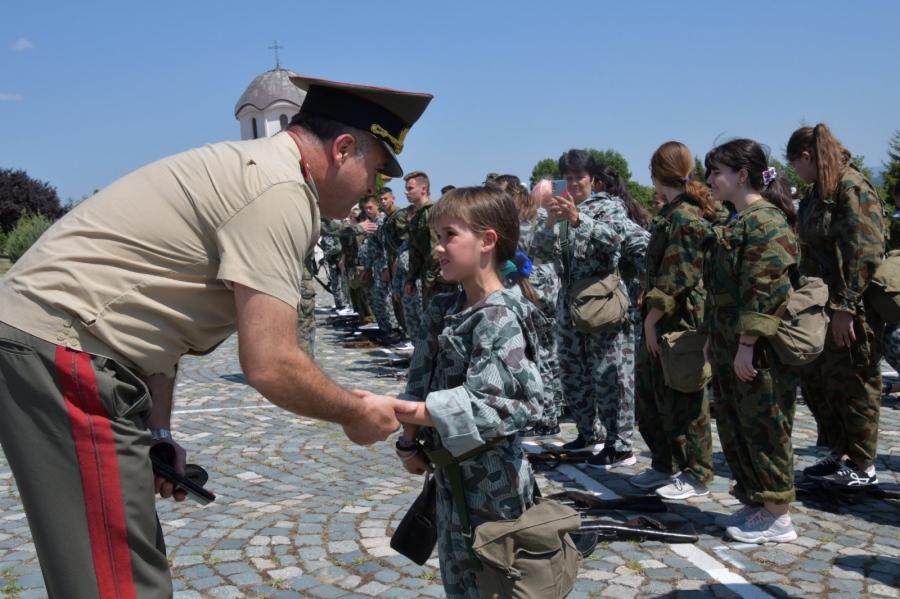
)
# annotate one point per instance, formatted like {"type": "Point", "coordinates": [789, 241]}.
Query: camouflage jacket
{"type": "Point", "coordinates": [332, 227]}
{"type": "Point", "coordinates": [756, 251]}
{"type": "Point", "coordinates": [843, 238]}
{"type": "Point", "coordinates": [393, 233]}
{"type": "Point", "coordinates": [674, 265]}
{"type": "Point", "coordinates": [371, 250]}
{"type": "Point", "coordinates": [603, 236]}
{"type": "Point", "coordinates": [543, 274]}
{"type": "Point", "coordinates": [399, 279]}
{"type": "Point", "coordinates": [331, 245]}
{"type": "Point", "coordinates": [477, 369]}
{"type": "Point", "coordinates": [423, 262]}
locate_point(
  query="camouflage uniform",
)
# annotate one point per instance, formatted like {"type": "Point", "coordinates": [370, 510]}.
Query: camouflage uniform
{"type": "Point", "coordinates": [675, 425]}
{"type": "Point", "coordinates": [306, 314]}
{"type": "Point", "coordinates": [843, 241]}
{"type": "Point", "coordinates": [412, 304]}
{"type": "Point", "coordinates": [423, 263]}
{"type": "Point", "coordinates": [350, 241]}
{"type": "Point", "coordinates": [477, 370]}
{"type": "Point", "coordinates": [372, 259]}
{"type": "Point", "coordinates": [546, 284]}
{"type": "Point", "coordinates": [331, 246]}
{"type": "Point", "coordinates": [393, 233]}
{"type": "Point", "coordinates": [597, 371]}
{"type": "Point", "coordinates": [754, 419]}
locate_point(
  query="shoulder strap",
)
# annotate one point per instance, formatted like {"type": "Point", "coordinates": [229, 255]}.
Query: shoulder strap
{"type": "Point", "coordinates": [566, 250]}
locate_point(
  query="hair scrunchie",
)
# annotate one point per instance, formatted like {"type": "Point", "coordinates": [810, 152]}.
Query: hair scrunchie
{"type": "Point", "coordinates": [519, 265]}
{"type": "Point", "coordinates": [769, 175]}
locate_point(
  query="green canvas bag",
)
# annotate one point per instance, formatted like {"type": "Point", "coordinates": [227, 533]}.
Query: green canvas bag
{"type": "Point", "coordinates": [883, 292]}
{"type": "Point", "coordinates": [532, 557]}
{"type": "Point", "coordinates": [684, 366]}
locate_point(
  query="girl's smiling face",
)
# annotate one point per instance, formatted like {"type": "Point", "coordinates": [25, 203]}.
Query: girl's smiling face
{"type": "Point", "coordinates": [462, 253]}
{"type": "Point", "coordinates": [724, 181]}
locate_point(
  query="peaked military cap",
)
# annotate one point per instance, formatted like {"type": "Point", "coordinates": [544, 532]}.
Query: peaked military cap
{"type": "Point", "coordinates": [386, 114]}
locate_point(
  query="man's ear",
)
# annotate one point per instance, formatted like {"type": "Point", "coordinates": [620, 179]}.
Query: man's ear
{"type": "Point", "coordinates": [343, 148]}
{"type": "Point", "coordinates": [488, 241]}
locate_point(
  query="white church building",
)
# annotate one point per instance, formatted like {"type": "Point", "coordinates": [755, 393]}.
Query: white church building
{"type": "Point", "coordinates": [268, 104]}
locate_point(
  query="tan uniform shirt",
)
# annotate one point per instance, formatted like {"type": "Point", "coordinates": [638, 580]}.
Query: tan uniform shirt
{"type": "Point", "coordinates": [142, 271]}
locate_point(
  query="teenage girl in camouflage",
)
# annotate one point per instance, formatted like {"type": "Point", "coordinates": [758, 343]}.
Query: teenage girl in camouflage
{"type": "Point", "coordinates": [747, 268]}
{"type": "Point", "coordinates": [675, 424]}
{"type": "Point", "coordinates": [842, 230]}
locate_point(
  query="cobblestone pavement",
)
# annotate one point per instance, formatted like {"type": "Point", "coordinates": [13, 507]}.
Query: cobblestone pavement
{"type": "Point", "coordinates": [302, 512]}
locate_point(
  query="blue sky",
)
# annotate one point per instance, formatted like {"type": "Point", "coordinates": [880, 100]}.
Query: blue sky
{"type": "Point", "coordinates": [91, 91]}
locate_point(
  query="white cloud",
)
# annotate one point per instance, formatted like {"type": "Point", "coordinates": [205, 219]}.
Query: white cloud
{"type": "Point", "coordinates": [10, 97]}
{"type": "Point", "coordinates": [22, 44]}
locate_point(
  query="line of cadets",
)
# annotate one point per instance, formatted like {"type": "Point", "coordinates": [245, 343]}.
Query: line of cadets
{"type": "Point", "coordinates": [718, 258]}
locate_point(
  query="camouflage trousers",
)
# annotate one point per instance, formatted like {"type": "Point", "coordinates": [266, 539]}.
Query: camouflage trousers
{"type": "Point", "coordinates": [499, 485]}
{"type": "Point", "coordinates": [842, 388]}
{"type": "Point", "coordinates": [338, 284]}
{"type": "Point", "coordinates": [754, 419]}
{"type": "Point", "coordinates": [306, 315]}
{"type": "Point", "coordinates": [891, 341]}
{"type": "Point", "coordinates": [675, 425]}
{"type": "Point", "coordinates": [435, 288]}
{"type": "Point", "coordinates": [379, 300]}
{"type": "Point", "coordinates": [360, 305]}
{"type": "Point", "coordinates": [412, 311]}
{"type": "Point", "coordinates": [597, 373]}
{"type": "Point", "coordinates": [549, 366]}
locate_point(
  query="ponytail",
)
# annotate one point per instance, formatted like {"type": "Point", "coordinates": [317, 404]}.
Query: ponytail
{"type": "Point", "coordinates": [831, 156]}
{"type": "Point", "coordinates": [672, 164]}
{"type": "Point", "coordinates": [700, 195]}
{"type": "Point", "coordinates": [517, 270]}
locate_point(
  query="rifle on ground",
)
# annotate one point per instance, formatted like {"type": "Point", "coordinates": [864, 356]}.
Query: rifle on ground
{"type": "Point", "coordinates": [831, 497]}
{"type": "Point", "coordinates": [589, 504]}
{"type": "Point", "coordinates": [641, 528]}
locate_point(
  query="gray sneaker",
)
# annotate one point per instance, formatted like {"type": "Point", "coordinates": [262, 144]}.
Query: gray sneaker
{"type": "Point", "coordinates": [650, 479]}
{"type": "Point", "coordinates": [683, 486]}
{"type": "Point", "coordinates": [738, 517]}
{"type": "Point", "coordinates": [763, 527]}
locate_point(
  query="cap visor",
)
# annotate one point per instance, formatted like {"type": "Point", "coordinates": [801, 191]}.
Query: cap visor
{"type": "Point", "coordinates": [393, 167]}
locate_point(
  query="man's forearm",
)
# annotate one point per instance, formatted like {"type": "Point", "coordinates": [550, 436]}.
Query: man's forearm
{"type": "Point", "coordinates": [162, 393]}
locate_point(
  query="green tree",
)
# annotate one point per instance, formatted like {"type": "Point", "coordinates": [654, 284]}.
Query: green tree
{"type": "Point", "coordinates": [699, 172]}
{"type": "Point", "coordinates": [25, 233]}
{"type": "Point", "coordinates": [892, 173]}
{"type": "Point", "coordinates": [547, 168]}
{"type": "Point", "coordinates": [612, 158]}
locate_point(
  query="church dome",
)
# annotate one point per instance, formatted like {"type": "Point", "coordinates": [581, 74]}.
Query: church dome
{"type": "Point", "coordinates": [270, 87]}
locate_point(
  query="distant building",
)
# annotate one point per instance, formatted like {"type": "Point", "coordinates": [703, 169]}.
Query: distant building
{"type": "Point", "coordinates": [268, 104]}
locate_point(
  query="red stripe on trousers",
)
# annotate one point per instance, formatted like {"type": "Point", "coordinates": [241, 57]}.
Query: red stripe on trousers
{"type": "Point", "coordinates": [99, 465]}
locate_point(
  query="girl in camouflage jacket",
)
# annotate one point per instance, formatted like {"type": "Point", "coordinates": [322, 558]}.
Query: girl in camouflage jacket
{"type": "Point", "coordinates": [747, 275]}
{"type": "Point", "coordinates": [475, 370]}
{"type": "Point", "coordinates": [674, 424]}
{"type": "Point", "coordinates": [842, 230]}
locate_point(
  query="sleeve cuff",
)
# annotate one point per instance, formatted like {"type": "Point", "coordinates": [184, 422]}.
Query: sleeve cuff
{"type": "Point", "coordinates": [658, 299]}
{"type": "Point", "coordinates": [845, 301]}
{"type": "Point", "coordinates": [451, 411]}
{"type": "Point", "coordinates": [754, 323]}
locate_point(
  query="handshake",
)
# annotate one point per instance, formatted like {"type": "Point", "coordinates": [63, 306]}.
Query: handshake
{"type": "Point", "coordinates": [382, 415]}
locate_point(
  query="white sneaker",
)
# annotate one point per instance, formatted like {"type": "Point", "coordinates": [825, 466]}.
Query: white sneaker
{"type": "Point", "coordinates": [650, 479]}
{"type": "Point", "coordinates": [763, 527]}
{"type": "Point", "coordinates": [403, 346]}
{"type": "Point", "coordinates": [683, 486]}
{"type": "Point", "coordinates": [372, 326]}
{"type": "Point", "coordinates": [347, 311]}
{"type": "Point", "coordinates": [738, 517]}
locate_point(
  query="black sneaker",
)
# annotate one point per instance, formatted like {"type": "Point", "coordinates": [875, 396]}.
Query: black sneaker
{"type": "Point", "coordinates": [610, 458]}
{"type": "Point", "coordinates": [580, 444]}
{"type": "Point", "coordinates": [827, 465]}
{"type": "Point", "coordinates": [539, 430]}
{"type": "Point", "coordinates": [851, 475]}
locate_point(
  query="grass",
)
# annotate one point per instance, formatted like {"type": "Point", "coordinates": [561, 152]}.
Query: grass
{"type": "Point", "coordinates": [12, 588]}
{"type": "Point", "coordinates": [429, 575]}
{"type": "Point", "coordinates": [635, 565]}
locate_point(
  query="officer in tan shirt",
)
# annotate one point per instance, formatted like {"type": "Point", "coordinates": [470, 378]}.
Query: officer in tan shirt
{"type": "Point", "coordinates": [171, 260]}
